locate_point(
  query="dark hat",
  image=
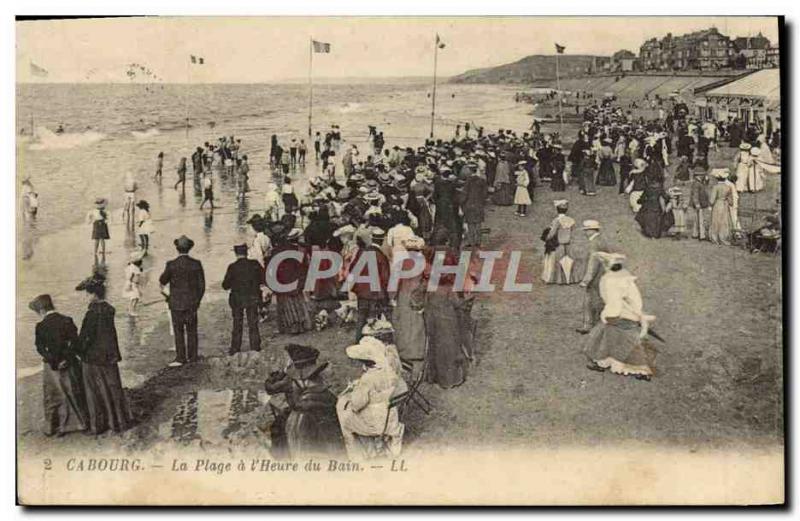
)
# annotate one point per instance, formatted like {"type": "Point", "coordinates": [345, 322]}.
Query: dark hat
{"type": "Point", "coordinates": [41, 303]}
{"type": "Point", "coordinates": [183, 243]}
{"type": "Point", "coordinates": [256, 218]}
{"type": "Point", "coordinates": [90, 284]}
{"type": "Point", "coordinates": [304, 361]}
{"type": "Point", "coordinates": [240, 249]}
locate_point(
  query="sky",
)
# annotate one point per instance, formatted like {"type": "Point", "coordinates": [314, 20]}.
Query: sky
{"type": "Point", "coordinates": [272, 49]}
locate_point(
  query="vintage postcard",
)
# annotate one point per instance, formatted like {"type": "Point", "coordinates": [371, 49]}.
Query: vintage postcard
{"type": "Point", "coordinates": [399, 261]}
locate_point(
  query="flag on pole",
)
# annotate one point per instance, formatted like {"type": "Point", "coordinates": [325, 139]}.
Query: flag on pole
{"type": "Point", "coordinates": [321, 46]}
{"type": "Point", "coordinates": [560, 49]}
{"type": "Point", "coordinates": [439, 42]}
{"type": "Point", "coordinates": [196, 59]}
{"type": "Point", "coordinates": [39, 72]}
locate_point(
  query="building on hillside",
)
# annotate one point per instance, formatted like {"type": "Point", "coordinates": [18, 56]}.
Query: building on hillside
{"type": "Point", "coordinates": [751, 52]}
{"type": "Point", "coordinates": [749, 98]}
{"type": "Point", "coordinates": [701, 50]}
{"type": "Point", "coordinates": [624, 61]}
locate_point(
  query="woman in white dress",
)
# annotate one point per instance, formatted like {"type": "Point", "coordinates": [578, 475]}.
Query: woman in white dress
{"type": "Point", "coordinates": [742, 165]}
{"type": "Point", "coordinates": [522, 198]}
{"type": "Point", "coordinates": [363, 407]}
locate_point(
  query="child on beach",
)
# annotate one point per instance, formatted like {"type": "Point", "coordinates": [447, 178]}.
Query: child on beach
{"type": "Point", "coordinates": [208, 190]}
{"type": "Point", "coordinates": [133, 280]}
{"type": "Point", "coordinates": [98, 219]}
{"type": "Point", "coordinates": [144, 225]}
{"type": "Point", "coordinates": [679, 204]}
{"type": "Point", "coordinates": [159, 166]}
{"type": "Point", "coordinates": [181, 174]}
{"type": "Point", "coordinates": [290, 202]}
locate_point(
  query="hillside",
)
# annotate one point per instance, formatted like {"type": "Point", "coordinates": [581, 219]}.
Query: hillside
{"type": "Point", "coordinates": [529, 69]}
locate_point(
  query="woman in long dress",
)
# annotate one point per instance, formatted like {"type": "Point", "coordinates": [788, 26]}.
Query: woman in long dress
{"type": "Point", "coordinates": [742, 165]}
{"type": "Point", "coordinates": [605, 174]}
{"type": "Point", "coordinates": [637, 184]}
{"type": "Point", "coordinates": [407, 316]}
{"type": "Point", "coordinates": [620, 342]}
{"type": "Point", "coordinates": [558, 242]}
{"type": "Point", "coordinates": [503, 195]}
{"type": "Point", "coordinates": [655, 216]}
{"type": "Point", "coordinates": [57, 343]}
{"type": "Point", "coordinates": [292, 309]}
{"type": "Point", "coordinates": [448, 334]}
{"type": "Point", "coordinates": [99, 353]}
{"type": "Point", "coordinates": [721, 198]}
{"type": "Point", "coordinates": [557, 166]}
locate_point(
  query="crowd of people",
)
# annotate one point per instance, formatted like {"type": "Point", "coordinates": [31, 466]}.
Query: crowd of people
{"type": "Point", "coordinates": [431, 200]}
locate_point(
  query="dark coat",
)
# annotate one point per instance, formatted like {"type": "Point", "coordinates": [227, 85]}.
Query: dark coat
{"type": "Point", "coordinates": [56, 339]}
{"type": "Point", "coordinates": [98, 336]}
{"type": "Point", "coordinates": [363, 290]}
{"type": "Point", "coordinates": [243, 279]}
{"type": "Point", "coordinates": [476, 190]}
{"type": "Point", "coordinates": [187, 282]}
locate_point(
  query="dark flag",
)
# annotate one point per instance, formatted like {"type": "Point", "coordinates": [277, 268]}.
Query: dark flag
{"type": "Point", "coordinates": [321, 46]}
{"type": "Point", "coordinates": [560, 49]}
{"type": "Point", "coordinates": [439, 42]}
{"type": "Point", "coordinates": [193, 58]}
{"type": "Point", "coordinates": [39, 72]}
{"type": "Point", "coordinates": [196, 59]}
{"type": "Point", "coordinates": [200, 61]}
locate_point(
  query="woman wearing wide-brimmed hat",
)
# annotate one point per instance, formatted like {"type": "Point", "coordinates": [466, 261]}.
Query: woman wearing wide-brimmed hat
{"type": "Point", "coordinates": [305, 423]}
{"type": "Point", "coordinates": [98, 217]}
{"type": "Point", "coordinates": [363, 407]}
{"type": "Point", "coordinates": [621, 342]}
{"type": "Point", "coordinates": [99, 353]}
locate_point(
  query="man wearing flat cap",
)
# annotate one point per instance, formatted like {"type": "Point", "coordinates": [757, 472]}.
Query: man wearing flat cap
{"type": "Point", "coordinates": [187, 284]}
{"type": "Point", "coordinates": [243, 279]}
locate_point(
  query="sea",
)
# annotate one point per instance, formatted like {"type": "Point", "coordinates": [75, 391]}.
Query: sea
{"type": "Point", "coordinates": [110, 130]}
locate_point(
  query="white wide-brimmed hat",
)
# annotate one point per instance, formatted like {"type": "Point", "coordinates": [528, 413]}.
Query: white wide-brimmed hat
{"type": "Point", "coordinates": [368, 348]}
{"type": "Point", "coordinates": [591, 224]}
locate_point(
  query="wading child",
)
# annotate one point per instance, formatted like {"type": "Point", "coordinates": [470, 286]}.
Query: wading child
{"type": "Point", "coordinates": [144, 225]}
{"type": "Point", "coordinates": [133, 281]}
{"type": "Point", "coordinates": [98, 219]}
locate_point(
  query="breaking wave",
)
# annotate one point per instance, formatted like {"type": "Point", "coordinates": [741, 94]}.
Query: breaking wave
{"type": "Point", "coordinates": [46, 139]}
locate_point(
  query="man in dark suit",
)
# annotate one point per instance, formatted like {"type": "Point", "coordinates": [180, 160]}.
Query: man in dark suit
{"type": "Point", "coordinates": [244, 280]}
{"type": "Point", "coordinates": [476, 190]}
{"type": "Point", "coordinates": [187, 284]}
{"type": "Point", "coordinates": [56, 342]}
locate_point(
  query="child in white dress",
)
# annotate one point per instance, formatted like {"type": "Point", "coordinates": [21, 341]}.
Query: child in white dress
{"type": "Point", "coordinates": [133, 281]}
{"type": "Point", "coordinates": [144, 225]}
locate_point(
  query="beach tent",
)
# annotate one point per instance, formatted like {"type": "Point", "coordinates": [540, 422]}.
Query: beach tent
{"type": "Point", "coordinates": [752, 97]}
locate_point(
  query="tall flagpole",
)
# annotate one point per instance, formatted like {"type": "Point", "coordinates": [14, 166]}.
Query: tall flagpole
{"type": "Point", "coordinates": [558, 88]}
{"type": "Point", "coordinates": [433, 98]}
{"type": "Point", "coordinates": [310, 85]}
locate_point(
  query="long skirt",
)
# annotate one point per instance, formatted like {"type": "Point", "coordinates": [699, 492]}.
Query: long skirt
{"type": "Point", "coordinates": [606, 175]}
{"type": "Point", "coordinates": [293, 315]}
{"type": "Point", "coordinates": [64, 405]}
{"type": "Point", "coordinates": [409, 328]}
{"type": "Point", "coordinates": [446, 359]}
{"type": "Point", "coordinates": [503, 195]}
{"type": "Point", "coordinates": [617, 346]}
{"type": "Point", "coordinates": [105, 399]}
{"type": "Point", "coordinates": [721, 227]}
{"type": "Point", "coordinates": [553, 270]}
{"type": "Point", "coordinates": [653, 221]}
